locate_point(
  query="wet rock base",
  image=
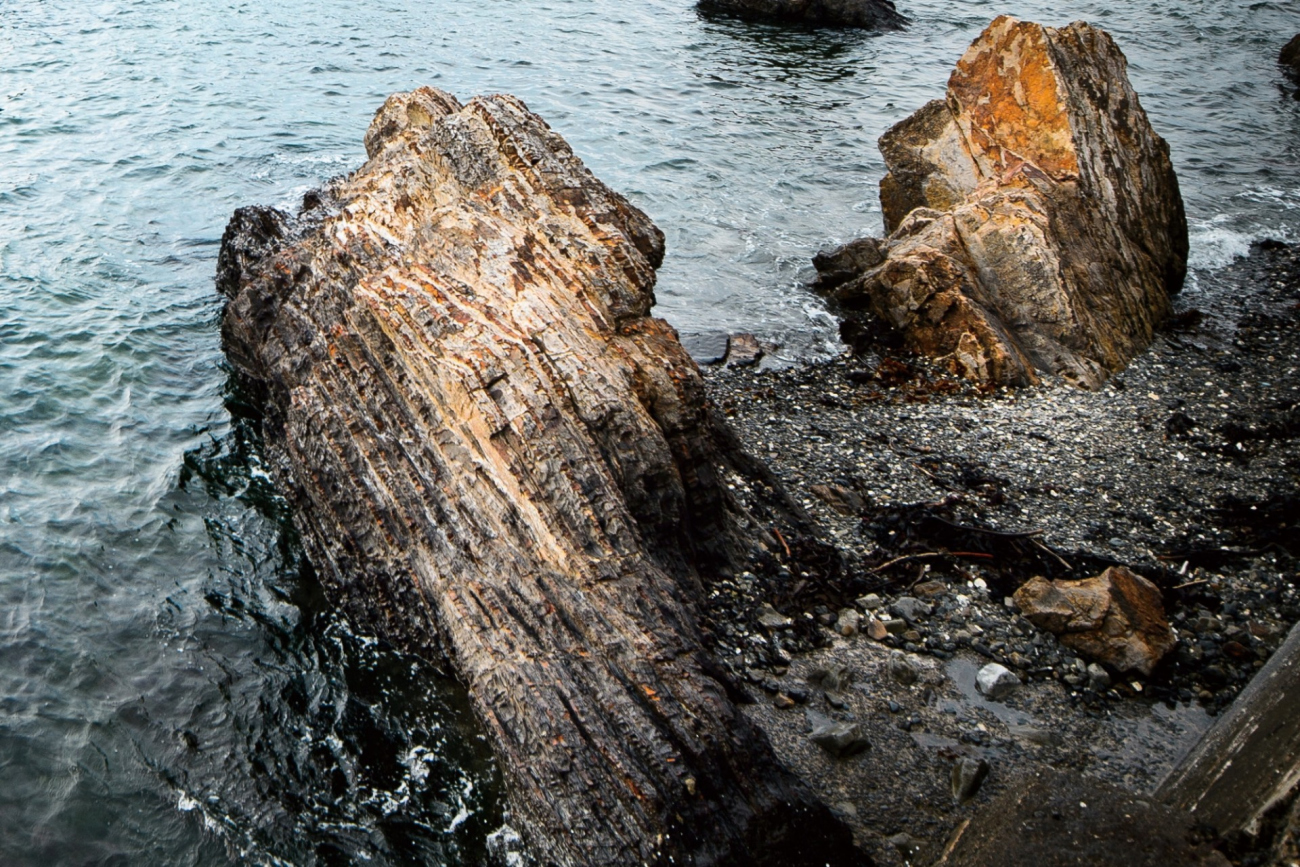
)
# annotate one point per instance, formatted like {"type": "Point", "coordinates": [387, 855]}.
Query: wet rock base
{"type": "Point", "coordinates": [1053, 820]}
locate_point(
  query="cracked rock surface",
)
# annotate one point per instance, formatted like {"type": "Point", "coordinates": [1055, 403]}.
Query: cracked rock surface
{"type": "Point", "coordinates": [1035, 220]}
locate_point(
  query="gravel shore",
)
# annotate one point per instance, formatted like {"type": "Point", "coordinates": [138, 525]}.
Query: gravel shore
{"type": "Point", "coordinates": [1183, 467]}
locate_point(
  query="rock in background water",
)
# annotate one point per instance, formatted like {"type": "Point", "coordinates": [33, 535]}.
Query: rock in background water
{"type": "Point", "coordinates": [866, 14]}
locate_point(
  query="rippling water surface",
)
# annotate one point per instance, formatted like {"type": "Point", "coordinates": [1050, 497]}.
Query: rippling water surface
{"type": "Point", "coordinates": [173, 690]}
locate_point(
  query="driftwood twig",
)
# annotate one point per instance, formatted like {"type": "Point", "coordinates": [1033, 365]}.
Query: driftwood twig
{"type": "Point", "coordinates": [781, 539]}
{"type": "Point", "coordinates": [1059, 558]}
{"type": "Point", "coordinates": [883, 566]}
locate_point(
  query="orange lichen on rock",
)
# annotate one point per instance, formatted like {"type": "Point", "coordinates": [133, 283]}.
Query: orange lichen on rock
{"type": "Point", "coordinates": [1011, 104]}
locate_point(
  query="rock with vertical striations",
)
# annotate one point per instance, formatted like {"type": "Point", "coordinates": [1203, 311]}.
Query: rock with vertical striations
{"type": "Point", "coordinates": [1035, 220]}
{"type": "Point", "coordinates": [866, 14]}
{"type": "Point", "coordinates": [495, 454]}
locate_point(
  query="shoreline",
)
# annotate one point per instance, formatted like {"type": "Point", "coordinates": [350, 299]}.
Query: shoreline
{"type": "Point", "coordinates": [1184, 466]}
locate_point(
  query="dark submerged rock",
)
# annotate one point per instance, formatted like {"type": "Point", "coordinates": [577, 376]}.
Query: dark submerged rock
{"type": "Point", "coordinates": [865, 14]}
{"type": "Point", "coordinates": [842, 264]}
{"type": "Point", "coordinates": [1290, 58]}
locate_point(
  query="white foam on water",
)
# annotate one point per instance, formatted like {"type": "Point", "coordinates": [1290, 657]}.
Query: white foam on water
{"type": "Point", "coordinates": [187, 804]}
{"type": "Point", "coordinates": [463, 813]}
{"type": "Point", "coordinates": [1215, 243]}
{"type": "Point", "coordinates": [417, 761]}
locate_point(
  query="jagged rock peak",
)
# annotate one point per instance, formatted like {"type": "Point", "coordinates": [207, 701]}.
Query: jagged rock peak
{"type": "Point", "coordinates": [1034, 216]}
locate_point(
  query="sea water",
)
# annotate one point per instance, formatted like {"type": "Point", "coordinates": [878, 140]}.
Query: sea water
{"type": "Point", "coordinates": [174, 689]}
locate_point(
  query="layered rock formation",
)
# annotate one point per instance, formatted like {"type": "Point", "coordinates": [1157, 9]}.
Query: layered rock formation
{"type": "Point", "coordinates": [1034, 217]}
{"type": "Point", "coordinates": [496, 454]}
{"type": "Point", "coordinates": [868, 14]}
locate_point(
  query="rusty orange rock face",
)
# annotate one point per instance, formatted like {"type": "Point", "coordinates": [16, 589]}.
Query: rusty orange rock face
{"type": "Point", "coordinates": [1010, 102]}
{"type": "Point", "coordinates": [1038, 187]}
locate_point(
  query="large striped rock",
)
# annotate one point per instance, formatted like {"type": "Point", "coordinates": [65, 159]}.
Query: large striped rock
{"type": "Point", "coordinates": [495, 454]}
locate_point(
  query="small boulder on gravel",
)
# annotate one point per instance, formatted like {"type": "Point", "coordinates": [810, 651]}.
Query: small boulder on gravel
{"type": "Point", "coordinates": [833, 678]}
{"type": "Point", "coordinates": [930, 589]}
{"type": "Point", "coordinates": [910, 608]}
{"type": "Point", "coordinates": [1116, 618]}
{"type": "Point", "coordinates": [773, 619]}
{"type": "Point", "coordinates": [968, 774]}
{"type": "Point", "coordinates": [848, 622]}
{"type": "Point", "coordinates": [1098, 678]}
{"type": "Point", "coordinates": [996, 682]}
{"type": "Point", "coordinates": [840, 739]}
{"type": "Point", "coordinates": [903, 669]}
{"type": "Point", "coordinates": [870, 602]}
